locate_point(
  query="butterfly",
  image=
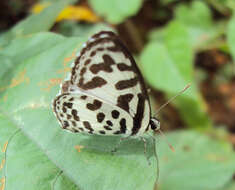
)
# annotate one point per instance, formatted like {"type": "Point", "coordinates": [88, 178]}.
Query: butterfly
{"type": "Point", "coordinates": [105, 93]}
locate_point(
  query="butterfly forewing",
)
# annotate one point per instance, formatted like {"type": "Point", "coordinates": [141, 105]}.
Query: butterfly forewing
{"type": "Point", "coordinates": [105, 70]}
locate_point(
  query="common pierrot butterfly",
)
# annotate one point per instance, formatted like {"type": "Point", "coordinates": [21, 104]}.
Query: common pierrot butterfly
{"type": "Point", "coordinates": [105, 93]}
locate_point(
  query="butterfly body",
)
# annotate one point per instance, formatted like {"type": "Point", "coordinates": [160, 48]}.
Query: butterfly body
{"type": "Point", "coordinates": [105, 93]}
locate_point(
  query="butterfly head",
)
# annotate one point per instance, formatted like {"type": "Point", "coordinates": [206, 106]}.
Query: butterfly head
{"type": "Point", "coordinates": [154, 124]}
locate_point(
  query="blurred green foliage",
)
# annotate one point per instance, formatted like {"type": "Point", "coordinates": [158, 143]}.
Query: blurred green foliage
{"type": "Point", "coordinates": [231, 36]}
{"type": "Point", "coordinates": [35, 23]}
{"type": "Point", "coordinates": [40, 155]}
{"type": "Point", "coordinates": [172, 59]}
{"type": "Point", "coordinates": [116, 11]}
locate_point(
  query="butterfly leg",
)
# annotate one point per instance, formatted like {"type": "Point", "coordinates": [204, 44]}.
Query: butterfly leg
{"type": "Point", "coordinates": [145, 149]}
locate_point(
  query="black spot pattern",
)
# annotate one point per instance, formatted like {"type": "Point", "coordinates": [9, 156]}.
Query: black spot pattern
{"type": "Point", "coordinates": [137, 120]}
{"type": "Point", "coordinates": [100, 117]}
{"type": "Point", "coordinates": [67, 104]}
{"type": "Point", "coordinates": [107, 128]}
{"type": "Point", "coordinates": [124, 84]}
{"type": "Point", "coordinates": [88, 126]}
{"type": "Point", "coordinates": [123, 125]}
{"type": "Point", "coordinates": [75, 116]}
{"type": "Point", "coordinates": [102, 132]}
{"type": "Point", "coordinates": [95, 82]}
{"type": "Point", "coordinates": [123, 101]}
{"type": "Point", "coordinates": [115, 114]}
{"type": "Point", "coordinates": [83, 97]}
{"type": "Point", "coordinates": [105, 66]}
{"type": "Point", "coordinates": [65, 124]}
{"type": "Point", "coordinates": [109, 123]}
{"type": "Point", "coordinates": [75, 131]}
{"type": "Point", "coordinates": [96, 105]}
{"type": "Point", "coordinates": [74, 123]}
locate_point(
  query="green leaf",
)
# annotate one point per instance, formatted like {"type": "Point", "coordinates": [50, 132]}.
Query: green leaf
{"type": "Point", "coordinates": [197, 14]}
{"type": "Point", "coordinates": [116, 11]}
{"type": "Point", "coordinates": [230, 186]}
{"type": "Point", "coordinates": [168, 66]}
{"type": "Point", "coordinates": [24, 49]}
{"type": "Point", "coordinates": [198, 162]}
{"type": "Point", "coordinates": [6, 64]}
{"type": "Point", "coordinates": [197, 19]}
{"type": "Point", "coordinates": [25, 166]}
{"type": "Point", "coordinates": [72, 28]}
{"type": "Point", "coordinates": [223, 6]}
{"type": "Point", "coordinates": [36, 22]}
{"type": "Point", "coordinates": [165, 2]}
{"type": "Point", "coordinates": [27, 104]}
{"type": "Point", "coordinates": [39, 149]}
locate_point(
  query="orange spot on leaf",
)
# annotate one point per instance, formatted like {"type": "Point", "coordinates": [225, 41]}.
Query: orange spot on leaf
{"type": "Point", "coordinates": [5, 147]}
{"type": "Point", "coordinates": [20, 78]}
{"type": "Point", "coordinates": [216, 158]}
{"type": "Point", "coordinates": [49, 84]}
{"type": "Point", "coordinates": [5, 98]}
{"type": "Point", "coordinates": [2, 164]}
{"type": "Point", "coordinates": [64, 70]}
{"type": "Point", "coordinates": [3, 88]}
{"type": "Point", "coordinates": [78, 147]}
{"type": "Point", "coordinates": [68, 59]}
{"type": "Point", "coordinates": [3, 180]}
{"type": "Point", "coordinates": [55, 81]}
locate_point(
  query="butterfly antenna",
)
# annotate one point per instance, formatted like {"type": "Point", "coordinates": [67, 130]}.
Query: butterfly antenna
{"type": "Point", "coordinates": [171, 99]}
{"type": "Point", "coordinates": [163, 135]}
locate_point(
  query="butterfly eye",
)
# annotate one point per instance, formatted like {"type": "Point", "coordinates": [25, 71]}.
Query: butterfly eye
{"type": "Point", "coordinates": [155, 124]}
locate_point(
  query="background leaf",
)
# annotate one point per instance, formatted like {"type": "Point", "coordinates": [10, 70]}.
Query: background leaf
{"type": "Point", "coordinates": [197, 19]}
{"type": "Point", "coordinates": [172, 61]}
{"type": "Point", "coordinates": [196, 162]}
{"type": "Point", "coordinates": [231, 36]}
{"type": "Point", "coordinates": [36, 22]}
{"type": "Point", "coordinates": [72, 28]}
{"type": "Point", "coordinates": [117, 10]}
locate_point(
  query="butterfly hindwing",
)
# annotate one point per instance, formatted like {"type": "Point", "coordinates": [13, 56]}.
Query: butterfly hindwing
{"type": "Point", "coordinates": [79, 112]}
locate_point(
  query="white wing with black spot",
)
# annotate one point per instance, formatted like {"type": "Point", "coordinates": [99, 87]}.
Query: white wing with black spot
{"type": "Point", "coordinates": [106, 71]}
{"type": "Point", "coordinates": [86, 114]}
